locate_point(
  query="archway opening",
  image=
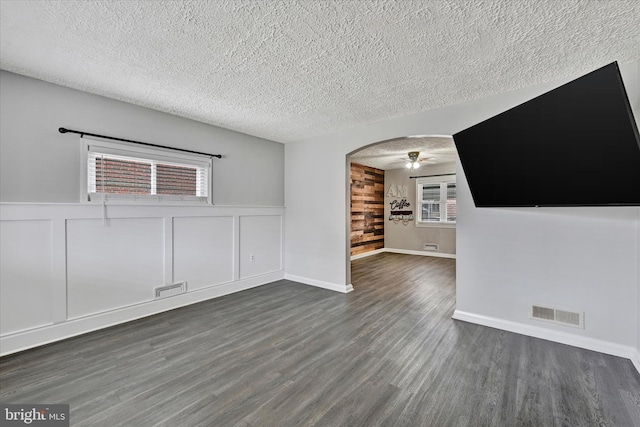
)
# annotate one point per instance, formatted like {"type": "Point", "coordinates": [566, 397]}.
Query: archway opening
{"type": "Point", "coordinates": [401, 198]}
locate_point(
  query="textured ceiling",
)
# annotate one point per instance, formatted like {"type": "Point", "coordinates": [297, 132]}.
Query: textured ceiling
{"type": "Point", "coordinates": [288, 70]}
{"type": "Point", "coordinates": [394, 154]}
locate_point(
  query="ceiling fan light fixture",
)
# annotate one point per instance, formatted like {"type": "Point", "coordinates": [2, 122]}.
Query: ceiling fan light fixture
{"type": "Point", "coordinates": [413, 163]}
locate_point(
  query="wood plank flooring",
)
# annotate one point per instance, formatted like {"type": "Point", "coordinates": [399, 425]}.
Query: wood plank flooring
{"type": "Point", "coordinates": [287, 354]}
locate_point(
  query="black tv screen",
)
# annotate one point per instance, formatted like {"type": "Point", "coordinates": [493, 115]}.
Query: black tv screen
{"type": "Point", "coordinates": [577, 145]}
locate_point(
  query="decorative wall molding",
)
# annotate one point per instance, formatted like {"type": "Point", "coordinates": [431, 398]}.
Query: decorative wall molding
{"type": "Point", "coordinates": [320, 284]}
{"type": "Point", "coordinates": [68, 269]}
{"type": "Point", "coordinates": [36, 337]}
{"type": "Point", "coordinates": [574, 340]}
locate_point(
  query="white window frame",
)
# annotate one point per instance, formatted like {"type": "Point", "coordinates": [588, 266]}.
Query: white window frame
{"type": "Point", "coordinates": [129, 150]}
{"type": "Point", "coordinates": [443, 181]}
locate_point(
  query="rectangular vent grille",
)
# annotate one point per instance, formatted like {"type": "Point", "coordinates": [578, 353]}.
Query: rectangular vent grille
{"type": "Point", "coordinates": [563, 317]}
{"type": "Point", "coordinates": [171, 290]}
{"type": "Point", "coordinates": [543, 313]}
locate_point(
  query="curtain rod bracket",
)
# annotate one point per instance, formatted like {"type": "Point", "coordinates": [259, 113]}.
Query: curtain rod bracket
{"type": "Point", "coordinates": [65, 130]}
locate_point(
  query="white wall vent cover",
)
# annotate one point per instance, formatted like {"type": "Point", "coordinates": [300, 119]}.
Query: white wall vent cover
{"type": "Point", "coordinates": [171, 290]}
{"type": "Point", "coordinates": [569, 318]}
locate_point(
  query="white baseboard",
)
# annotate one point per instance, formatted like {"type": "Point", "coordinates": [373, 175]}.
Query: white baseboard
{"type": "Point", "coordinates": [422, 253]}
{"type": "Point", "coordinates": [320, 284]}
{"type": "Point", "coordinates": [24, 340]}
{"type": "Point", "coordinates": [635, 359]}
{"type": "Point", "coordinates": [366, 254]}
{"type": "Point", "coordinates": [551, 335]}
{"type": "Point", "coordinates": [403, 251]}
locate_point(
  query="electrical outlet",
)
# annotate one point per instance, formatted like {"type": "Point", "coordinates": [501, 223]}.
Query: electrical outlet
{"type": "Point", "coordinates": [252, 258]}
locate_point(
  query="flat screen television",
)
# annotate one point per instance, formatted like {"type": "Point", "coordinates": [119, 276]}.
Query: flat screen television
{"type": "Point", "coordinates": [577, 145]}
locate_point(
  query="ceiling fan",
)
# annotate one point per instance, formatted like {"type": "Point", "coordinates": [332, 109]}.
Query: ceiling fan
{"type": "Point", "coordinates": [414, 160]}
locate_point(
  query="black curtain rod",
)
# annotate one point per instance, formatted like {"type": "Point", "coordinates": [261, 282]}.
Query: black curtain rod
{"type": "Point", "coordinates": [427, 176]}
{"type": "Point", "coordinates": [65, 130]}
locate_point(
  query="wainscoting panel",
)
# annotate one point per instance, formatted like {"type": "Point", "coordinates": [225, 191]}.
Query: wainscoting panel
{"type": "Point", "coordinates": [203, 250]}
{"type": "Point", "coordinates": [113, 265]}
{"type": "Point", "coordinates": [260, 248]}
{"type": "Point", "coordinates": [25, 275]}
{"type": "Point", "coordinates": [68, 269]}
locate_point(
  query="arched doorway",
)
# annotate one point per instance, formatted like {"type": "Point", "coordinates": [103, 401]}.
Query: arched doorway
{"type": "Point", "coordinates": [386, 214]}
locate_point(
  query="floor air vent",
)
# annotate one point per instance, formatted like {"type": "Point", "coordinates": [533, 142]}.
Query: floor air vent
{"type": "Point", "coordinates": [562, 317]}
{"type": "Point", "coordinates": [171, 290]}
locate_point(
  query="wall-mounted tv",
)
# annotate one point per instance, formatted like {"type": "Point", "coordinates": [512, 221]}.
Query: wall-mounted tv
{"type": "Point", "coordinates": [577, 145]}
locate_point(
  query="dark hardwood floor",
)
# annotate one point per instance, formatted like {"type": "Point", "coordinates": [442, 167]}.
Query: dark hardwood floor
{"type": "Point", "coordinates": [287, 354]}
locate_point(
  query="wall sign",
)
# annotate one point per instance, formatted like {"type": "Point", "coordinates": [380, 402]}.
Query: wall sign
{"type": "Point", "coordinates": [397, 191]}
{"type": "Point", "coordinates": [400, 215]}
{"type": "Point", "coordinates": [397, 206]}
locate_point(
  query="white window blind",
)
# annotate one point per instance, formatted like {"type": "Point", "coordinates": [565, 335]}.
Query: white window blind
{"type": "Point", "coordinates": [117, 173]}
{"type": "Point", "coordinates": [451, 201]}
{"type": "Point", "coordinates": [436, 200]}
{"type": "Point", "coordinates": [430, 202]}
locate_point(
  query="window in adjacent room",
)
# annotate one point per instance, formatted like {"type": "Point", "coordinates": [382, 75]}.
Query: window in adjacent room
{"type": "Point", "coordinates": [436, 201]}
{"type": "Point", "coordinates": [122, 173]}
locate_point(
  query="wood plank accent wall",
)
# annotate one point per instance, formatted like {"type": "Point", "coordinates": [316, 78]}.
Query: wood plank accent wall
{"type": "Point", "coordinates": [367, 209]}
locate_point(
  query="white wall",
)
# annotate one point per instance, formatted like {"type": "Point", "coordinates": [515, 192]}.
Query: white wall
{"type": "Point", "coordinates": [576, 259]}
{"type": "Point", "coordinates": [636, 359]}
{"type": "Point", "coordinates": [64, 270]}
{"type": "Point", "coordinates": [31, 111]}
{"type": "Point", "coordinates": [409, 237]}
{"type": "Point", "coordinates": [580, 258]}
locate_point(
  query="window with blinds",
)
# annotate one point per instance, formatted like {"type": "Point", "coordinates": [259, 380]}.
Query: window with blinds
{"type": "Point", "coordinates": [123, 173]}
{"type": "Point", "coordinates": [451, 202]}
{"type": "Point", "coordinates": [113, 175]}
{"type": "Point", "coordinates": [430, 202]}
{"type": "Point", "coordinates": [436, 201]}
